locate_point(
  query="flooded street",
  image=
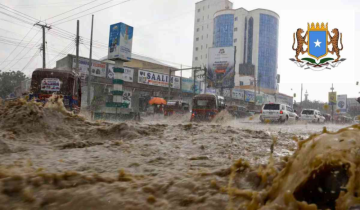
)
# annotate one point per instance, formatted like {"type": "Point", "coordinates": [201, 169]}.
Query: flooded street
{"type": "Point", "coordinates": [53, 160]}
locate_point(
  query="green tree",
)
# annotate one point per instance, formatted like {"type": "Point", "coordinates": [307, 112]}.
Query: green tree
{"type": "Point", "coordinates": [9, 80]}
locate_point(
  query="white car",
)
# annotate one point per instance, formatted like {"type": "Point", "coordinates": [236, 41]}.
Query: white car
{"type": "Point", "coordinates": [312, 115]}
{"type": "Point", "coordinates": [277, 112]}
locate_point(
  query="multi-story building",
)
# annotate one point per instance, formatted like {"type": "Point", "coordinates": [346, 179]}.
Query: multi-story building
{"type": "Point", "coordinates": [254, 34]}
{"type": "Point", "coordinates": [203, 28]}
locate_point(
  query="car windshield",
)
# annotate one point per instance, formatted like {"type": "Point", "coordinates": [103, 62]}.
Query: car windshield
{"type": "Point", "coordinates": [307, 112]}
{"type": "Point", "coordinates": [272, 107]}
{"type": "Point", "coordinates": [204, 103]}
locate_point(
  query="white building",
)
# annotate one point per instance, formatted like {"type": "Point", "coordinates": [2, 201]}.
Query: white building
{"type": "Point", "coordinates": [203, 28]}
{"type": "Point", "coordinates": [253, 33]}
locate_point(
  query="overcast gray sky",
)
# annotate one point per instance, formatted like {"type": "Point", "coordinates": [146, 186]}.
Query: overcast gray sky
{"type": "Point", "coordinates": [163, 29]}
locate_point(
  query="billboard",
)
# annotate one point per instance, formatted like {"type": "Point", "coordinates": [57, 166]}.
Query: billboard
{"type": "Point", "coordinates": [120, 42]}
{"type": "Point", "coordinates": [249, 96]}
{"type": "Point", "coordinates": [238, 94]}
{"type": "Point", "coordinates": [127, 96]}
{"type": "Point", "coordinates": [221, 67]}
{"type": "Point", "coordinates": [127, 76]}
{"type": "Point", "coordinates": [157, 79]}
{"type": "Point", "coordinates": [98, 68]}
{"type": "Point", "coordinates": [332, 98]}
{"type": "Point", "coordinates": [187, 86]}
{"type": "Point", "coordinates": [341, 103]}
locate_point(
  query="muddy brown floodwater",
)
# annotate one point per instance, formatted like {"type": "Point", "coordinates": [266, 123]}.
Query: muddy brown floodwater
{"type": "Point", "coordinates": [50, 159]}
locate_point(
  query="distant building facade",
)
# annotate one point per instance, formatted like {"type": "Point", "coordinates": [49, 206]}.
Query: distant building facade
{"type": "Point", "coordinates": [253, 33]}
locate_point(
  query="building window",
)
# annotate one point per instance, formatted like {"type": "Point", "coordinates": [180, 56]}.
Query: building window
{"type": "Point", "coordinates": [203, 7]}
{"type": "Point", "coordinates": [202, 27]}
{"type": "Point", "coordinates": [235, 29]}
{"type": "Point", "coordinates": [197, 38]}
{"type": "Point", "coordinates": [235, 40]}
{"type": "Point", "coordinates": [207, 35]}
{"type": "Point", "coordinates": [235, 18]}
{"type": "Point", "coordinates": [205, 55]}
{"type": "Point", "coordinates": [202, 37]}
{"type": "Point", "coordinates": [209, 6]}
{"type": "Point", "coordinates": [198, 10]}
{"type": "Point", "coordinates": [207, 25]}
{"type": "Point", "coordinates": [250, 40]}
{"type": "Point", "coordinates": [241, 83]}
{"type": "Point", "coordinates": [201, 56]}
{"type": "Point", "coordinates": [245, 40]}
{"type": "Point", "coordinates": [208, 17]}
{"type": "Point", "coordinates": [196, 58]}
{"type": "Point", "coordinates": [196, 48]}
{"type": "Point", "coordinates": [197, 30]}
{"type": "Point", "coordinates": [251, 83]}
{"type": "Point", "coordinates": [206, 46]}
{"type": "Point", "coordinates": [198, 20]}
{"type": "Point", "coordinates": [203, 17]}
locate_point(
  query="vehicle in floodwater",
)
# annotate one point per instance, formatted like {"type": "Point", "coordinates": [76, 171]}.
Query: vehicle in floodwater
{"type": "Point", "coordinates": [239, 111]}
{"type": "Point", "coordinates": [66, 84]}
{"type": "Point", "coordinates": [206, 106]}
{"type": "Point", "coordinates": [176, 107]}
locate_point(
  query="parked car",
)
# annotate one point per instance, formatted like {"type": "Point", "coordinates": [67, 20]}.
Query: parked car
{"type": "Point", "coordinates": [176, 107]}
{"type": "Point", "coordinates": [278, 113]}
{"type": "Point", "coordinates": [312, 115]}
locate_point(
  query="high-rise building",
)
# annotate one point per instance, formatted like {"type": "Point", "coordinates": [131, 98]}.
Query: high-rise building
{"type": "Point", "coordinates": [253, 33]}
{"type": "Point", "coordinates": [203, 28]}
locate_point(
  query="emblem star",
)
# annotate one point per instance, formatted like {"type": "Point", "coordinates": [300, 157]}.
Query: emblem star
{"type": "Point", "coordinates": [317, 43]}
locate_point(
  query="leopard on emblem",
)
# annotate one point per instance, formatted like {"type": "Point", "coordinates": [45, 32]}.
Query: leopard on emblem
{"type": "Point", "coordinates": [318, 39]}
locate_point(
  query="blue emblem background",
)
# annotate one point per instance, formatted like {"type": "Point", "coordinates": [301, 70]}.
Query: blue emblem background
{"type": "Point", "coordinates": [313, 37]}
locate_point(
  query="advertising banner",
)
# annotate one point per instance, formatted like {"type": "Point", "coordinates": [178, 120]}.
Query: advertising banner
{"type": "Point", "coordinates": [127, 76]}
{"type": "Point", "coordinates": [127, 96]}
{"type": "Point", "coordinates": [157, 79]}
{"type": "Point", "coordinates": [120, 42]}
{"type": "Point", "coordinates": [249, 96]}
{"type": "Point", "coordinates": [332, 98]}
{"type": "Point", "coordinates": [341, 103]}
{"type": "Point", "coordinates": [98, 68]}
{"type": "Point", "coordinates": [221, 67]}
{"type": "Point", "coordinates": [227, 92]}
{"type": "Point", "coordinates": [187, 86]}
{"type": "Point", "coordinates": [259, 99]}
{"type": "Point", "coordinates": [50, 84]}
{"type": "Point", "coordinates": [211, 90]}
{"type": "Point", "coordinates": [238, 94]}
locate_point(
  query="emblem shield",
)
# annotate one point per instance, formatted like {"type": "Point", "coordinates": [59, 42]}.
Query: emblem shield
{"type": "Point", "coordinates": [317, 40]}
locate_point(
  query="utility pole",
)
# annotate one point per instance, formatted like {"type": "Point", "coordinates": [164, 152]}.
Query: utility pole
{"type": "Point", "coordinates": [332, 104]}
{"type": "Point", "coordinates": [205, 80]}
{"type": "Point", "coordinates": [77, 46]}
{"type": "Point", "coordinates": [44, 42]}
{"type": "Point", "coordinates": [90, 64]}
{"type": "Point", "coordinates": [169, 91]}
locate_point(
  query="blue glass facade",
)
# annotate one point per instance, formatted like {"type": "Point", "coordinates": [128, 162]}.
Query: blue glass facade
{"type": "Point", "coordinates": [223, 30]}
{"type": "Point", "coordinates": [268, 51]}
{"type": "Point", "coordinates": [250, 40]}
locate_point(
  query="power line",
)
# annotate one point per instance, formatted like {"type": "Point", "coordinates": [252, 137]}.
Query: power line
{"type": "Point", "coordinates": [18, 13]}
{"type": "Point", "coordinates": [17, 46]}
{"type": "Point", "coordinates": [66, 49]}
{"type": "Point", "coordinates": [70, 10]}
{"type": "Point", "coordinates": [30, 60]}
{"type": "Point", "coordinates": [90, 13]}
{"type": "Point", "coordinates": [27, 51]}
